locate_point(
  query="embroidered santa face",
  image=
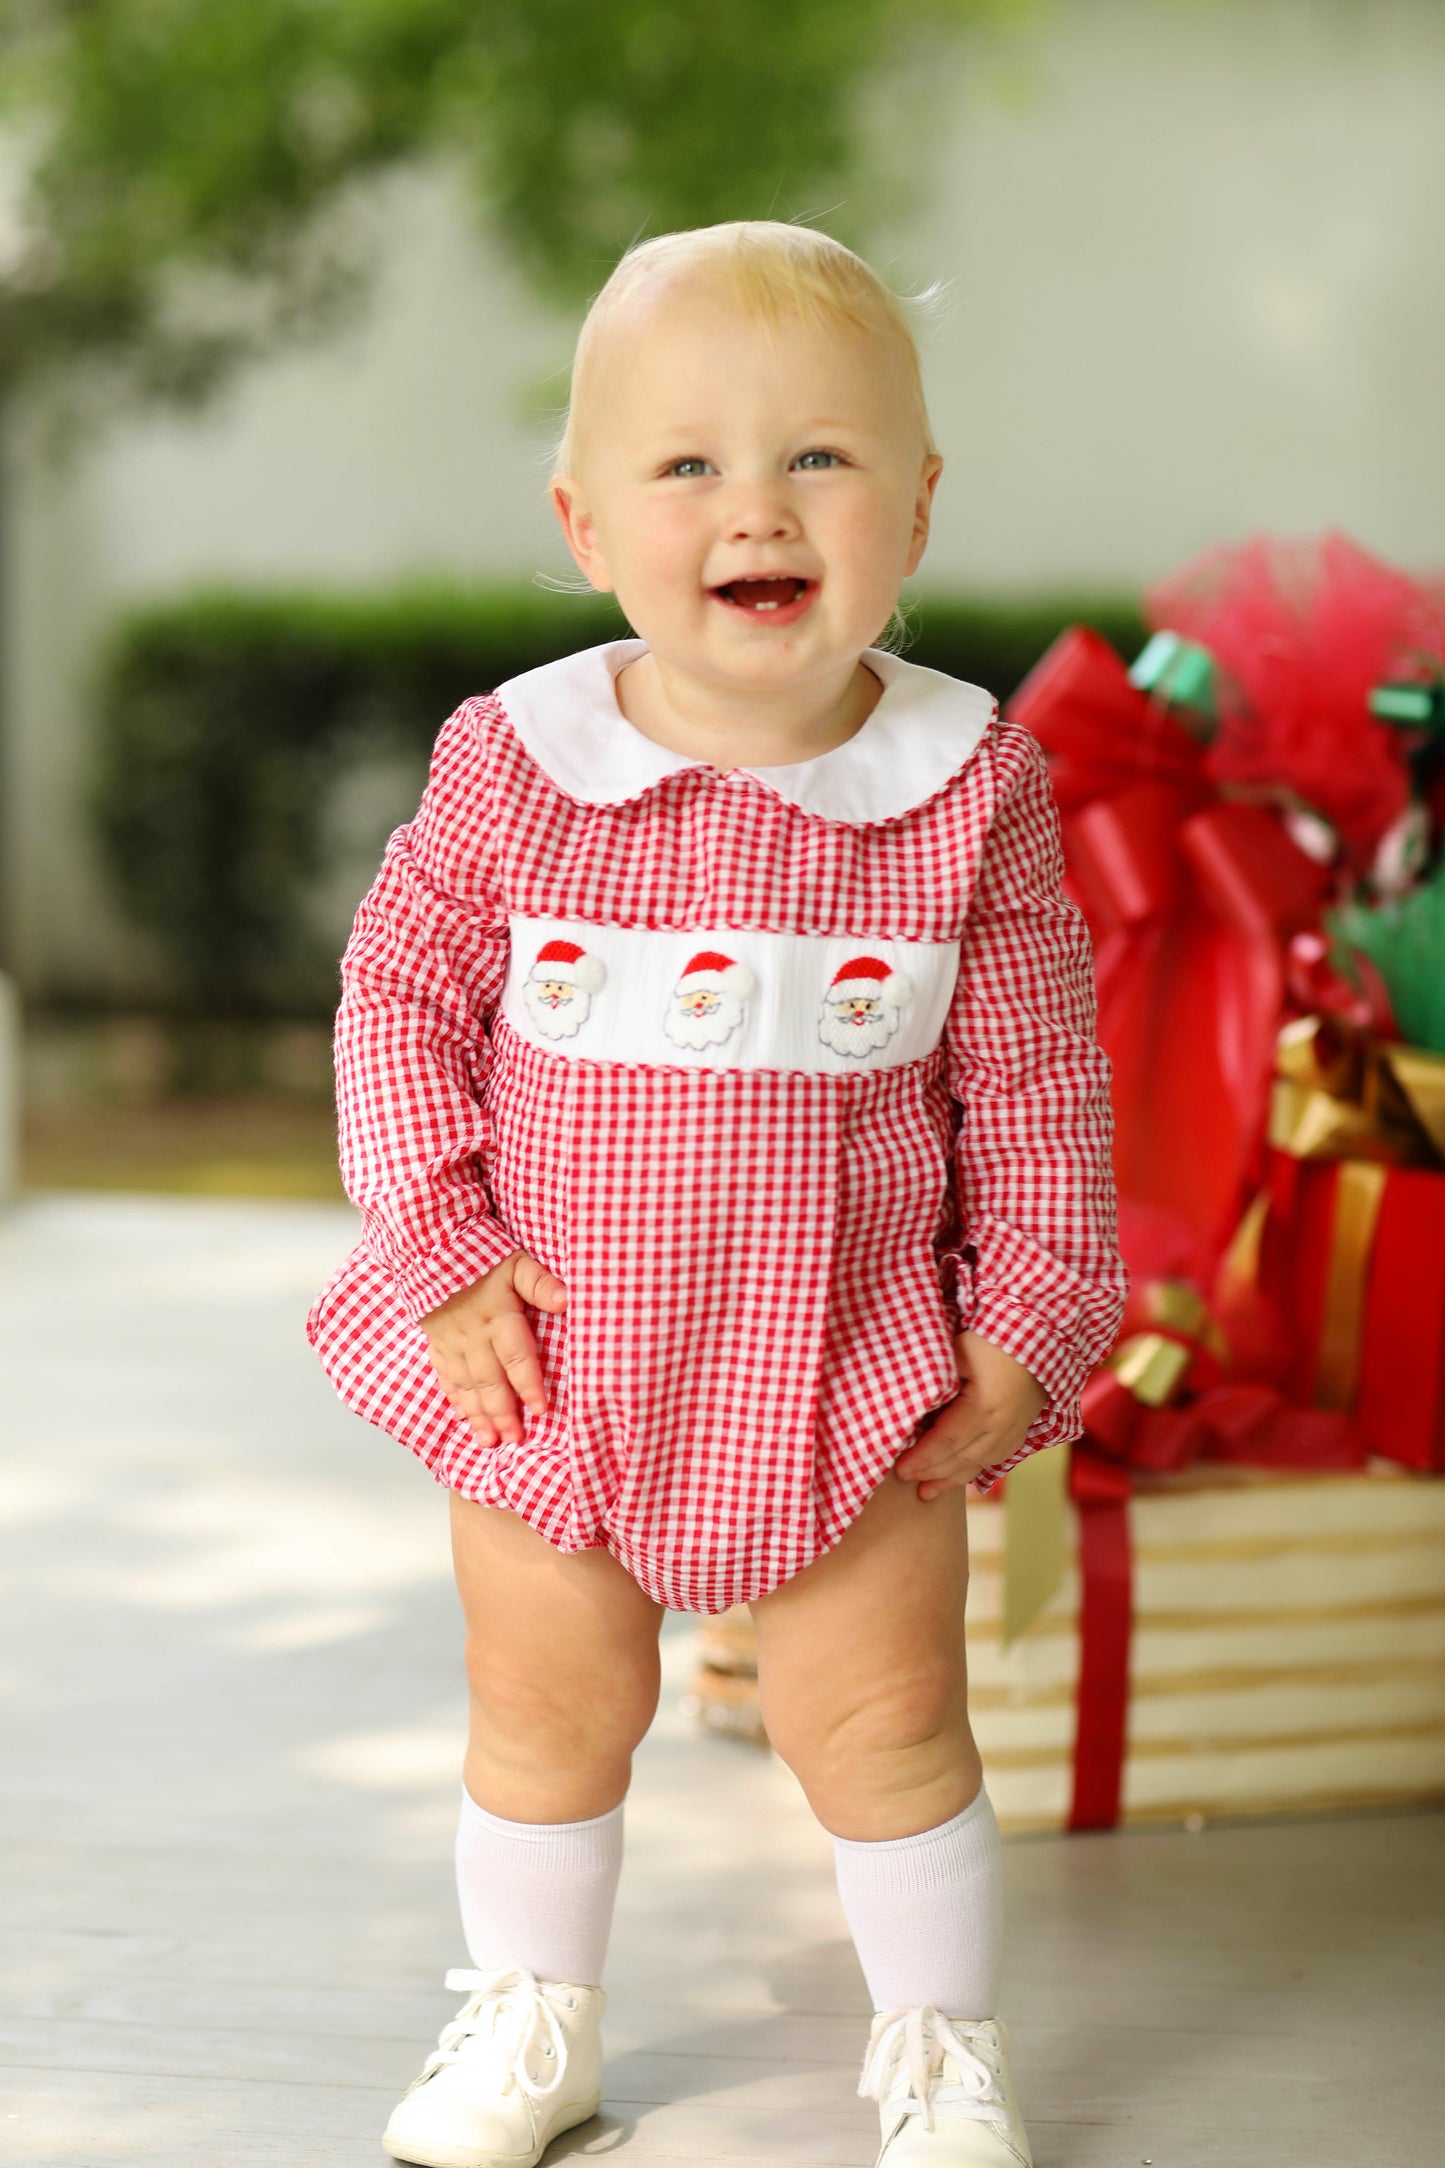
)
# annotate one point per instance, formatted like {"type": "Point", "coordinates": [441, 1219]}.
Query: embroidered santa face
{"type": "Point", "coordinates": [862, 1007]}
{"type": "Point", "coordinates": [709, 1001]}
{"type": "Point", "coordinates": [559, 987]}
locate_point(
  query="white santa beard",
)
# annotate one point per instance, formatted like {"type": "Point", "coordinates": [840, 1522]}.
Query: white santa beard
{"type": "Point", "coordinates": [837, 1030]}
{"type": "Point", "coordinates": [563, 1021]}
{"type": "Point", "coordinates": [687, 1028]}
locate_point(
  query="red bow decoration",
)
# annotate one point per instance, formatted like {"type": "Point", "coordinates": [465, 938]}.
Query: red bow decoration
{"type": "Point", "coordinates": [1191, 898]}
{"type": "Point", "coordinates": [1301, 632]}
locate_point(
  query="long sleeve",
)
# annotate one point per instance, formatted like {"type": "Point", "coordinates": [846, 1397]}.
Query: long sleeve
{"type": "Point", "coordinates": [421, 974]}
{"type": "Point", "coordinates": [1039, 1270]}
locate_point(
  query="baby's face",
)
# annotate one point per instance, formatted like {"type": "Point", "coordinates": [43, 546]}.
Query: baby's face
{"type": "Point", "coordinates": [754, 494]}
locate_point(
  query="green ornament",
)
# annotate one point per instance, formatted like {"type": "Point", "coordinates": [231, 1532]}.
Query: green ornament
{"type": "Point", "coordinates": [1179, 672]}
{"type": "Point", "coordinates": [1410, 706]}
{"type": "Point", "coordinates": [1405, 940]}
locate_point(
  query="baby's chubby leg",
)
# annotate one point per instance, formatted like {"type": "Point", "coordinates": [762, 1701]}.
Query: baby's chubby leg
{"type": "Point", "coordinates": [562, 1663]}
{"type": "Point", "coordinates": [864, 1694]}
{"type": "Point", "coordinates": [562, 1667]}
{"type": "Point", "coordinates": [862, 1670]}
{"type": "Point", "coordinates": [562, 1655]}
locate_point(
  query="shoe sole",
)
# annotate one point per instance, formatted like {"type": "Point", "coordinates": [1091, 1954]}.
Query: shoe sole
{"type": "Point", "coordinates": [467, 2156]}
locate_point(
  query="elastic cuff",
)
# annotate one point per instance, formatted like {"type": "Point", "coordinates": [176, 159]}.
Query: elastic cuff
{"type": "Point", "coordinates": [979, 1809]}
{"type": "Point", "coordinates": [538, 1830]}
{"type": "Point", "coordinates": [470, 1253]}
{"type": "Point", "coordinates": [570, 1847]}
{"type": "Point", "coordinates": [1031, 1340]}
{"type": "Point", "coordinates": [984, 1481]}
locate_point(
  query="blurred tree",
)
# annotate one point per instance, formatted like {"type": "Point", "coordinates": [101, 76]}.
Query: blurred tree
{"type": "Point", "coordinates": [182, 181]}
{"type": "Point", "coordinates": [183, 174]}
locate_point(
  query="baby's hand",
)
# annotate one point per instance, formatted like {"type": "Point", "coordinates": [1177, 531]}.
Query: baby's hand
{"type": "Point", "coordinates": [985, 1423]}
{"type": "Point", "coordinates": [482, 1347]}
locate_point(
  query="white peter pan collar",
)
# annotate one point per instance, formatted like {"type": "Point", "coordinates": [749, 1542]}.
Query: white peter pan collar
{"type": "Point", "coordinates": [922, 730]}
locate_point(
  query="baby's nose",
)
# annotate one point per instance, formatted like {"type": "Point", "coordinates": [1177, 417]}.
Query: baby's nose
{"type": "Point", "coordinates": [762, 512]}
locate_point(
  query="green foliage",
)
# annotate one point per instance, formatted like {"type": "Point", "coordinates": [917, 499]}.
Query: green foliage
{"type": "Point", "coordinates": [224, 723]}
{"type": "Point", "coordinates": [190, 160]}
{"type": "Point", "coordinates": [670, 116]}
{"type": "Point", "coordinates": [227, 722]}
{"type": "Point", "coordinates": [1405, 940]}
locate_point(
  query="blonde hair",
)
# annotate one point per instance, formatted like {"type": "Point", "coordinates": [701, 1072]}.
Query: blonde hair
{"type": "Point", "coordinates": [772, 270]}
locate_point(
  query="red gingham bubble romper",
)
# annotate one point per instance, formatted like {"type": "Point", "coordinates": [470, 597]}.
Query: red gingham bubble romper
{"type": "Point", "coordinates": [787, 1073]}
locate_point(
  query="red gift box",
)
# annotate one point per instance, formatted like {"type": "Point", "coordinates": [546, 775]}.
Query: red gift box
{"type": "Point", "coordinates": [1352, 1256]}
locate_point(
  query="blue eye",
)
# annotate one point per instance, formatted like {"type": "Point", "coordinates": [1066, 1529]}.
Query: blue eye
{"type": "Point", "coordinates": [816, 461]}
{"type": "Point", "coordinates": [688, 469]}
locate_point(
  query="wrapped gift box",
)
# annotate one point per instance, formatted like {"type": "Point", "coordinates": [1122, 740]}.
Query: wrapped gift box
{"type": "Point", "coordinates": [1288, 1652]}
{"type": "Point", "coordinates": [1352, 1241]}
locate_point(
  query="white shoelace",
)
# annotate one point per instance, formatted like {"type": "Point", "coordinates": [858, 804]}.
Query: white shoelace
{"type": "Point", "coordinates": [507, 2019]}
{"type": "Point", "coordinates": [913, 2038]}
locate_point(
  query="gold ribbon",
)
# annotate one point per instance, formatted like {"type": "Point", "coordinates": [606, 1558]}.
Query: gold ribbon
{"type": "Point", "coordinates": [1151, 1366]}
{"type": "Point", "coordinates": [1340, 1095]}
{"type": "Point", "coordinates": [1359, 1193]}
{"type": "Point", "coordinates": [1421, 1078]}
{"type": "Point", "coordinates": [1036, 1511]}
{"type": "Point", "coordinates": [1180, 1309]}
{"type": "Point", "coordinates": [1343, 1096]}
{"type": "Point", "coordinates": [1239, 1267]}
{"type": "Point", "coordinates": [1314, 1125]}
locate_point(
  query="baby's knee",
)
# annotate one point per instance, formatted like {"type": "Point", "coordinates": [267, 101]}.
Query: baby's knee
{"type": "Point", "coordinates": [590, 1711]}
{"type": "Point", "coordinates": [875, 1738]}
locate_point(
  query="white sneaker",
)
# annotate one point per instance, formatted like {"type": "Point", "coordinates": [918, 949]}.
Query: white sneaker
{"type": "Point", "coordinates": [520, 2061]}
{"type": "Point", "coordinates": [945, 2097]}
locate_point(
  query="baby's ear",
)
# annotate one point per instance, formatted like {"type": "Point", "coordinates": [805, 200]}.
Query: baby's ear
{"type": "Point", "coordinates": [579, 530]}
{"type": "Point", "coordinates": [923, 509]}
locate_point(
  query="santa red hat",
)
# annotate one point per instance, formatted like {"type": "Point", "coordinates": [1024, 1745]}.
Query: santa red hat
{"type": "Point", "coordinates": [867, 975]}
{"type": "Point", "coordinates": [712, 972]}
{"type": "Point", "coordinates": [566, 961]}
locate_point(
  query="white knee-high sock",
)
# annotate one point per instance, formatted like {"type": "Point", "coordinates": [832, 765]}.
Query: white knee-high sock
{"type": "Point", "coordinates": [927, 1913]}
{"type": "Point", "coordinates": [538, 1894]}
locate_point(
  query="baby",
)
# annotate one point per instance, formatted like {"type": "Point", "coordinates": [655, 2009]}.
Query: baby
{"type": "Point", "coordinates": [718, 1087]}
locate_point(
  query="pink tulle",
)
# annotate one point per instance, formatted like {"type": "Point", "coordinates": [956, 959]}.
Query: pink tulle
{"type": "Point", "coordinates": [1302, 630]}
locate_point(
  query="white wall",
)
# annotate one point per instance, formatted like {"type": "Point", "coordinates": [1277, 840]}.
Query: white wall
{"type": "Point", "coordinates": [1198, 290]}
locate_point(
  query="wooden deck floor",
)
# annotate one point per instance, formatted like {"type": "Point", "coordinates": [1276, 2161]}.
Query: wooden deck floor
{"type": "Point", "coordinates": [232, 1709]}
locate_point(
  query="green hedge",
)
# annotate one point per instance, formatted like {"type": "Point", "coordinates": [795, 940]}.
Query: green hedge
{"type": "Point", "coordinates": [224, 720]}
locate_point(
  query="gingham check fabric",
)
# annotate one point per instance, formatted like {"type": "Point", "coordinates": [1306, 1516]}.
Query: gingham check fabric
{"type": "Point", "coordinates": [765, 1267]}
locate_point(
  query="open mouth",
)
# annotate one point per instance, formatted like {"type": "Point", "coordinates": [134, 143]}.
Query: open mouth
{"type": "Point", "coordinates": [772, 597]}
